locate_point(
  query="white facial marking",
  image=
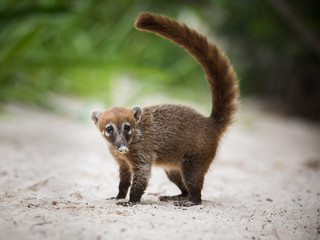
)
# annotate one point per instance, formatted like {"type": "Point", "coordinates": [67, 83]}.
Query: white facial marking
{"type": "Point", "coordinates": [123, 126]}
{"type": "Point", "coordinates": [109, 125]}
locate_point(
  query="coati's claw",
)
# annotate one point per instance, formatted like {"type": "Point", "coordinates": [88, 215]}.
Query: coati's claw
{"type": "Point", "coordinates": [164, 198]}
{"type": "Point", "coordinates": [185, 203]}
{"type": "Point", "coordinates": [126, 204]}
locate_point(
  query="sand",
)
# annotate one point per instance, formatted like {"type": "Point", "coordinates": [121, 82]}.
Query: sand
{"type": "Point", "coordinates": [56, 174]}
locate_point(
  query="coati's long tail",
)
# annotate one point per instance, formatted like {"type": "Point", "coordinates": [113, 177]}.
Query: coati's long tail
{"type": "Point", "coordinates": [220, 75]}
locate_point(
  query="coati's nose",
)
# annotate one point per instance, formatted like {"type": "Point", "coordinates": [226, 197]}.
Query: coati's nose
{"type": "Point", "coordinates": [122, 148]}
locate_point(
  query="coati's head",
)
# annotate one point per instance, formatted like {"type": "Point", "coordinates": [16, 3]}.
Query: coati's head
{"type": "Point", "coordinates": [117, 125]}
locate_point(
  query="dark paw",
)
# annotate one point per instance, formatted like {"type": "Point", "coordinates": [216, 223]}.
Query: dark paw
{"type": "Point", "coordinates": [185, 203]}
{"type": "Point", "coordinates": [126, 204]}
{"type": "Point", "coordinates": [112, 198]}
{"type": "Point", "coordinates": [116, 198]}
{"type": "Point", "coordinates": [170, 198]}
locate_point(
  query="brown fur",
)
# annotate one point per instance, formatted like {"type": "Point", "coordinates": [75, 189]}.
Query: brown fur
{"type": "Point", "coordinates": [174, 137]}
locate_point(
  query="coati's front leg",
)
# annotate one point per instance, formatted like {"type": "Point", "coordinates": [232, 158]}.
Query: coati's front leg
{"type": "Point", "coordinates": [141, 175]}
{"type": "Point", "coordinates": [125, 181]}
{"type": "Point", "coordinates": [175, 177]}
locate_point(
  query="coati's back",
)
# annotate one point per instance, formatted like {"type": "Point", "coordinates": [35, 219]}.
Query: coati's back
{"type": "Point", "coordinates": [175, 131]}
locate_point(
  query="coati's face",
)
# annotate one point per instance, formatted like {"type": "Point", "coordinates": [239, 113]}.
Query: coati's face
{"type": "Point", "coordinates": [117, 125]}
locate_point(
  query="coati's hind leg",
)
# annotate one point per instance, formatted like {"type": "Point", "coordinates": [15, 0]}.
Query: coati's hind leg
{"type": "Point", "coordinates": [193, 170]}
{"type": "Point", "coordinates": [175, 177]}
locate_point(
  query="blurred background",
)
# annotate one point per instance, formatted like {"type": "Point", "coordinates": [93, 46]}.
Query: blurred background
{"type": "Point", "coordinates": [87, 49]}
{"type": "Point", "coordinates": [62, 59]}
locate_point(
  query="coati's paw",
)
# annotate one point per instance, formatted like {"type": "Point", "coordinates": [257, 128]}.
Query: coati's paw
{"type": "Point", "coordinates": [185, 203]}
{"type": "Point", "coordinates": [112, 198]}
{"type": "Point", "coordinates": [176, 197]}
{"type": "Point", "coordinates": [127, 204]}
{"type": "Point", "coordinates": [115, 198]}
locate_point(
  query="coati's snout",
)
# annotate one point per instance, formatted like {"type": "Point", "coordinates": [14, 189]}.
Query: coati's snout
{"type": "Point", "coordinates": [122, 148]}
{"type": "Point", "coordinates": [117, 125]}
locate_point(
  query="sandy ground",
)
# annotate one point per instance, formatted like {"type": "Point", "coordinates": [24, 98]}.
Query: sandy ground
{"type": "Point", "coordinates": [55, 177]}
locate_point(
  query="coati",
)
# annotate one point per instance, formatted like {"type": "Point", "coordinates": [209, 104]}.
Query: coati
{"type": "Point", "coordinates": [174, 137]}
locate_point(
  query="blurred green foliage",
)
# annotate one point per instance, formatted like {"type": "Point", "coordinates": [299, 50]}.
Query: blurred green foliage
{"type": "Point", "coordinates": [82, 47]}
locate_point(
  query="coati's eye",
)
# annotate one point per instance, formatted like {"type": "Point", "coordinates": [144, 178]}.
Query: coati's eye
{"type": "Point", "coordinates": [127, 128]}
{"type": "Point", "coordinates": [109, 129]}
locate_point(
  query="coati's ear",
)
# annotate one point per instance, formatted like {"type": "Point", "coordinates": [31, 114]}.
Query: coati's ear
{"type": "Point", "coordinates": [95, 117]}
{"type": "Point", "coordinates": [137, 112]}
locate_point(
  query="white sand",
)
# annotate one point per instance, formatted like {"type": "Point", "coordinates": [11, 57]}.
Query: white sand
{"type": "Point", "coordinates": [55, 176]}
